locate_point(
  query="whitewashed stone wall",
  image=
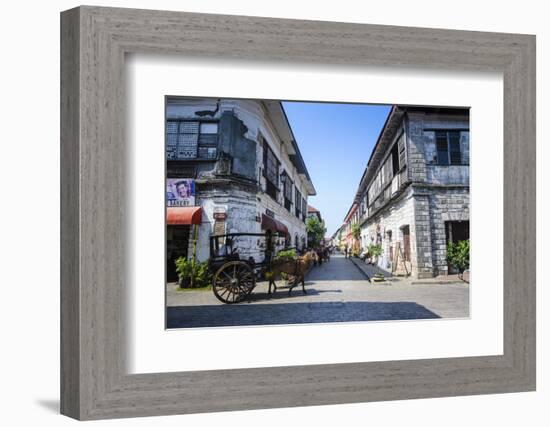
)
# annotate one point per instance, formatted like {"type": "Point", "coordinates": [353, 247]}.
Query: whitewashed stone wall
{"type": "Point", "coordinates": [391, 219]}
{"type": "Point", "coordinates": [425, 213]}
{"type": "Point", "coordinates": [241, 211]}
{"type": "Point", "coordinates": [436, 194]}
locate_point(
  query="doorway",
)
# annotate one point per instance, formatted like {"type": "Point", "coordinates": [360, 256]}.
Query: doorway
{"type": "Point", "coordinates": [456, 231]}
{"type": "Point", "coordinates": [177, 245]}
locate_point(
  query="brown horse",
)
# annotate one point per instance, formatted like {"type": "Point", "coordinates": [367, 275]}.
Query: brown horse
{"type": "Point", "coordinates": [297, 268]}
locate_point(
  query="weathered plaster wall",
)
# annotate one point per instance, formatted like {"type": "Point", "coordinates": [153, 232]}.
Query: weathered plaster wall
{"type": "Point", "coordinates": [241, 210]}
{"type": "Point", "coordinates": [452, 174]}
{"type": "Point", "coordinates": [240, 149]}
{"type": "Point", "coordinates": [243, 125]}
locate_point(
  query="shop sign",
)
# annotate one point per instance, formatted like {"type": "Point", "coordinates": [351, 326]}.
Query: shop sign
{"type": "Point", "coordinates": [220, 216]}
{"type": "Point", "coordinates": [180, 192]}
{"type": "Point", "coordinates": [219, 227]}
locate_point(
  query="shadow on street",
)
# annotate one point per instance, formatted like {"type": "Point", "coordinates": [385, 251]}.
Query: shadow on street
{"type": "Point", "coordinates": [292, 313]}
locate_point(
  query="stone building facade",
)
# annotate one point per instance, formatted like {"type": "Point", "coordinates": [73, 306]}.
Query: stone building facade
{"type": "Point", "coordinates": [413, 197]}
{"type": "Point", "coordinates": [247, 170]}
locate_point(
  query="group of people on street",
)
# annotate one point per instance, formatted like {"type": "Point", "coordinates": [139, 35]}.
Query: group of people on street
{"type": "Point", "coordinates": [346, 251]}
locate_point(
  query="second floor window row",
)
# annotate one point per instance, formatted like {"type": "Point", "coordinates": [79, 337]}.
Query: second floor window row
{"type": "Point", "coordinates": [191, 139]}
{"type": "Point", "coordinates": [448, 146]}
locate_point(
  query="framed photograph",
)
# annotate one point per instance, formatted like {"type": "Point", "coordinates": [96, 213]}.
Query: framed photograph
{"type": "Point", "coordinates": [389, 219]}
{"type": "Point", "coordinates": [262, 213]}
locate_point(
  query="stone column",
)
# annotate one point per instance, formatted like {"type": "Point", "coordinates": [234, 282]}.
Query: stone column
{"type": "Point", "coordinates": [415, 142]}
{"type": "Point", "coordinates": [422, 237]}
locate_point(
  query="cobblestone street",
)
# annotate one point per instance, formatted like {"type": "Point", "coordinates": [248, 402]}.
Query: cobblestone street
{"type": "Point", "coordinates": [336, 292]}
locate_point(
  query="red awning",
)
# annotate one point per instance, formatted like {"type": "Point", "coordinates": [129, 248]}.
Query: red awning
{"type": "Point", "coordinates": [183, 215]}
{"type": "Point", "coordinates": [272, 224]}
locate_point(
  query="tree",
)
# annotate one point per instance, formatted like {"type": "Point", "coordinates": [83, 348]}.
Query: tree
{"type": "Point", "coordinates": [315, 231]}
{"type": "Point", "coordinates": [356, 231]}
{"type": "Point", "coordinates": [458, 255]}
{"type": "Point", "coordinates": [356, 234]}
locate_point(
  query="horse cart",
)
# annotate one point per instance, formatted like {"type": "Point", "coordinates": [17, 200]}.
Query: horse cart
{"type": "Point", "coordinates": [234, 274]}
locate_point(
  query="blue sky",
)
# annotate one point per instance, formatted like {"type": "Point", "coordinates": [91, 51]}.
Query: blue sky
{"type": "Point", "coordinates": [335, 141]}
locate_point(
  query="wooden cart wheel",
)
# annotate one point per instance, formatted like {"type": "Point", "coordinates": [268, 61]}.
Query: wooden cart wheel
{"type": "Point", "coordinates": [233, 282]}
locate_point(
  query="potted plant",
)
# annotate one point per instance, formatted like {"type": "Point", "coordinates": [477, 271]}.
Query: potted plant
{"type": "Point", "coordinates": [184, 269]}
{"type": "Point", "coordinates": [375, 251]}
{"type": "Point", "coordinates": [201, 276]}
{"type": "Point", "coordinates": [458, 255]}
{"type": "Point", "coordinates": [379, 277]}
{"type": "Point", "coordinates": [192, 274]}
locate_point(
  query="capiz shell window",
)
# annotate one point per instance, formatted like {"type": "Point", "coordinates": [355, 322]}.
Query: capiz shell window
{"type": "Point", "coordinates": [449, 150]}
{"type": "Point", "coordinates": [271, 166]}
{"type": "Point", "coordinates": [209, 128]}
{"type": "Point", "coordinates": [191, 139]}
{"type": "Point", "coordinates": [181, 139]}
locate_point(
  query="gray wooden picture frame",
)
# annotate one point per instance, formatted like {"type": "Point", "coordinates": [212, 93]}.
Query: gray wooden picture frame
{"type": "Point", "coordinates": [94, 41]}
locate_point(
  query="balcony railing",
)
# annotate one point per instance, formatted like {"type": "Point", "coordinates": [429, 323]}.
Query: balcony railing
{"type": "Point", "coordinates": [391, 188]}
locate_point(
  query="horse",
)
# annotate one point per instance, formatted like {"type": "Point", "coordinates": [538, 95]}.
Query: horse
{"type": "Point", "coordinates": [325, 254]}
{"type": "Point", "coordinates": [295, 267]}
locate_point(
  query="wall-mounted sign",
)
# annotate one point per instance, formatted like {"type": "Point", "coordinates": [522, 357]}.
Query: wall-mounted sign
{"type": "Point", "coordinates": [219, 227]}
{"type": "Point", "coordinates": [270, 213]}
{"type": "Point", "coordinates": [220, 216]}
{"type": "Point", "coordinates": [180, 192]}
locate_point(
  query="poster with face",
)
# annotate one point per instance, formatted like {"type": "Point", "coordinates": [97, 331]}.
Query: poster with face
{"type": "Point", "coordinates": [180, 192]}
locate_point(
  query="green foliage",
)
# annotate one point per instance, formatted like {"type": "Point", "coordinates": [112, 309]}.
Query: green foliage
{"type": "Point", "coordinates": [315, 230]}
{"type": "Point", "coordinates": [375, 250]}
{"type": "Point", "coordinates": [192, 274]}
{"type": "Point", "coordinates": [287, 254]}
{"type": "Point", "coordinates": [356, 231]}
{"type": "Point", "coordinates": [203, 289]}
{"type": "Point", "coordinates": [458, 255]}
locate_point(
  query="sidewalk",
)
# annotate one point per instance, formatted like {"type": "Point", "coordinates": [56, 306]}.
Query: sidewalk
{"type": "Point", "coordinates": [369, 271]}
{"type": "Point", "coordinates": [336, 291]}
